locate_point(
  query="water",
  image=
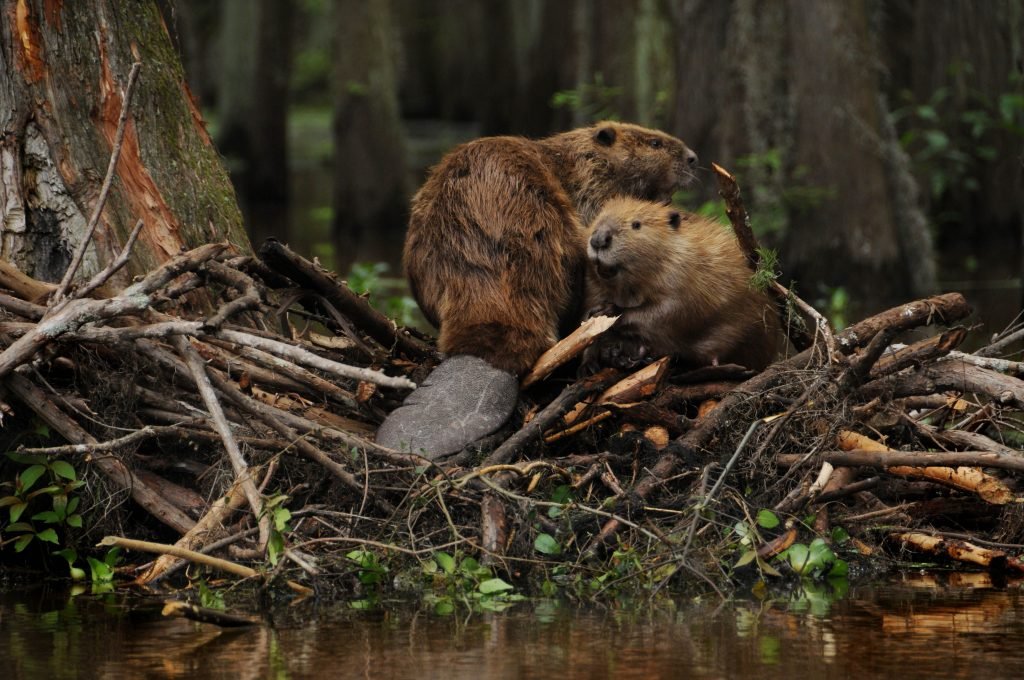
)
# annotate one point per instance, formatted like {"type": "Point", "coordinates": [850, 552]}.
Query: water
{"type": "Point", "coordinates": [917, 627]}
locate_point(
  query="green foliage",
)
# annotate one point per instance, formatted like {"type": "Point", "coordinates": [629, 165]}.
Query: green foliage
{"type": "Point", "coordinates": [371, 571]}
{"type": "Point", "coordinates": [102, 571]}
{"type": "Point", "coordinates": [596, 101]}
{"type": "Point", "coordinates": [386, 294]}
{"type": "Point", "coordinates": [767, 269]}
{"type": "Point", "coordinates": [954, 134]}
{"type": "Point", "coordinates": [46, 486]}
{"type": "Point", "coordinates": [279, 518]}
{"type": "Point", "coordinates": [816, 561]}
{"type": "Point", "coordinates": [210, 597]}
{"type": "Point", "coordinates": [837, 307]}
{"type": "Point", "coordinates": [464, 580]}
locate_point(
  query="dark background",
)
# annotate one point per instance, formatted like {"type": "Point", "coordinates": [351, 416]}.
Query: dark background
{"type": "Point", "coordinates": [878, 143]}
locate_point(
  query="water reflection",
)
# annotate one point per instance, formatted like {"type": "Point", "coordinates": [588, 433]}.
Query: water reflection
{"type": "Point", "coordinates": [920, 627]}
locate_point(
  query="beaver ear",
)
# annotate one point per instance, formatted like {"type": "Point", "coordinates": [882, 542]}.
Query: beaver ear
{"type": "Point", "coordinates": [605, 136]}
{"type": "Point", "coordinates": [673, 219]}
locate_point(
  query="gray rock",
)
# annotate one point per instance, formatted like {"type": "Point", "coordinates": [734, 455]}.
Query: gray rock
{"type": "Point", "coordinates": [462, 400]}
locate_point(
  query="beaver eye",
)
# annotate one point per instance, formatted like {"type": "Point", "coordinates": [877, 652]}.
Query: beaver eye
{"type": "Point", "coordinates": [656, 143]}
{"type": "Point", "coordinates": [636, 225]}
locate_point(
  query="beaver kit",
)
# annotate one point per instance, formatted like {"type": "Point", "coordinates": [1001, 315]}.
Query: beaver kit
{"type": "Point", "coordinates": [680, 285]}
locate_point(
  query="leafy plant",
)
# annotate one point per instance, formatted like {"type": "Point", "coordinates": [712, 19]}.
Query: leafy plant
{"type": "Point", "coordinates": [385, 293]}
{"type": "Point", "coordinates": [279, 516]}
{"type": "Point", "coordinates": [466, 580]}
{"type": "Point", "coordinates": [60, 481]}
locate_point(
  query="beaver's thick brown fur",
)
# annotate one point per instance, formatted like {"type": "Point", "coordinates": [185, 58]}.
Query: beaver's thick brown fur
{"type": "Point", "coordinates": [495, 252]}
{"type": "Point", "coordinates": [681, 285]}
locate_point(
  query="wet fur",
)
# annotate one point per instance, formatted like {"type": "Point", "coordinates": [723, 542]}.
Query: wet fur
{"type": "Point", "coordinates": [681, 285]}
{"type": "Point", "coordinates": [495, 252]}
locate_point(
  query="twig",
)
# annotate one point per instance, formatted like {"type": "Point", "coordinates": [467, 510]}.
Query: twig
{"type": "Point", "coordinates": [115, 154]}
{"type": "Point", "coordinates": [220, 423]}
{"type": "Point", "coordinates": [191, 556]}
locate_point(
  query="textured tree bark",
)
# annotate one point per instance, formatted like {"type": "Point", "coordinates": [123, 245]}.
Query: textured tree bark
{"type": "Point", "coordinates": [63, 67]}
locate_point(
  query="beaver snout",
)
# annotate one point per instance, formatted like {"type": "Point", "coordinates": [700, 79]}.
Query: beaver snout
{"type": "Point", "coordinates": [691, 158]}
{"type": "Point", "coordinates": [601, 239]}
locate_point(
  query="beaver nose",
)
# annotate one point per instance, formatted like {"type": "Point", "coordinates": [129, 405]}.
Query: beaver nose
{"type": "Point", "coordinates": [601, 238]}
{"type": "Point", "coordinates": [691, 158]}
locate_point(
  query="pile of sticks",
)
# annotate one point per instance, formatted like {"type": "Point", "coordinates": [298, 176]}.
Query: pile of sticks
{"type": "Point", "coordinates": [219, 387]}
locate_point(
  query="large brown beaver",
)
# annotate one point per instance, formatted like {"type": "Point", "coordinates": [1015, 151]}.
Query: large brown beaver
{"type": "Point", "coordinates": [496, 253]}
{"type": "Point", "coordinates": [681, 285]}
{"type": "Point", "coordinates": [495, 250]}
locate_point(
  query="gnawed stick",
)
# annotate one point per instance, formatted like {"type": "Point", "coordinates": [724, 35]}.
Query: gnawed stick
{"type": "Point", "coordinates": [969, 479]}
{"type": "Point", "coordinates": [568, 347]}
{"type": "Point", "coordinates": [958, 550]}
{"type": "Point", "coordinates": [192, 556]}
{"type": "Point", "coordinates": [206, 615]}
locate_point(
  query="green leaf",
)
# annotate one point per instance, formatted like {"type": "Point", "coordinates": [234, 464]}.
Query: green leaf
{"type": "Point", "coordinates": [23, 542]}
{"type": "Point", "coordinates": [745, 559]}
{"type": "Point", "coordinates": [69, 554]}
{"type": "Point", "coordinates": [445, 561]}
{"type": "Point", "coordinates": [797, 555]}
{"type": "Point", "coordinates": [99, 572]}
{"type": "Point", "coordinates": [839, 568]}
{"type": "Point", "coordinates": [494, 585]}
{"type": "Point", "coordinates": [73, 504]}
{"type": "Point", "coordinates": [840, 535]}
{"type": "Point", "coordinates": [9, 500]}
{"type": "Point", "coordinates": [16, 511]}
{"type": "Point", "coordinates": [547, 545]}
{"type": "Point", "coordinates": [48, 535]}
{"type": "Point", "coordinates": [47, 517]}
{"type": "Point", "coordinates": [767, 519]}
{"type": "Point", "coordinates": [111, 558]}
{"type": "Point", "coordinates": [20, 526]}
{"type": "Point", "coordinates": [26, 458]}
{"type": "Point", "coordinates": [444, 607]}
{"type": "Point", "coordinates": [62, 468]}
{"type": "Point", "coordinates": [29, 476]}
{"type": "Point", "coordinates": [281, 518]}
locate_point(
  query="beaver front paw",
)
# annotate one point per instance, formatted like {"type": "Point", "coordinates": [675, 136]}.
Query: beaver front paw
{"type": "Point", "coordinates": [624, 353]}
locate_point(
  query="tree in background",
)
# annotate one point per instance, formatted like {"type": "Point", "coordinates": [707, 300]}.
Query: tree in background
{"type": "Point", "coordinates": [370, 188]}
{"type": "Point", "coordinates": [63, 70]}
{"type": "Point", "coordinates": [253, 95]}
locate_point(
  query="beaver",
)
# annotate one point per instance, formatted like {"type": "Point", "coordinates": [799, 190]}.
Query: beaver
{"type": "Point", "coordinates": [495, 251]}
{"type": "Point", "coordinates": [495, 255]}
{"type": "Point", "coordinates": [681, 285]}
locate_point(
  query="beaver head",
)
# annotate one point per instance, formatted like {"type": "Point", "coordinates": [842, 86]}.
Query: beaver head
{"type": "Point", "coordinates": [631, 247]}
{"type": "Point", "coordinates": [619, 159]}
{"type": "Point", "coordinates": [641, 162]}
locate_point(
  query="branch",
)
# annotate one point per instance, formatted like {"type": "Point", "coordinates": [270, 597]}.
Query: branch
{"type": "Point", "coordinates": [115, 154]}
{"type": "Point", "coordinates": [220, 423]}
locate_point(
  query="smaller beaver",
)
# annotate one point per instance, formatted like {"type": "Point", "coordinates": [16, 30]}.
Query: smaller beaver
{"type": "Point", "coordinates": [681, 285]}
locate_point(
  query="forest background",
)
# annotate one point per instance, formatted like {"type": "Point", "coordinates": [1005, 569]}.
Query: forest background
{"type": "Point", "coordinates": [879, 143]}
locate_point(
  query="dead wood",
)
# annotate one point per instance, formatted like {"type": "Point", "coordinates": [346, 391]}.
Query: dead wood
{"type": "Point", "coordinates": [211, 414]}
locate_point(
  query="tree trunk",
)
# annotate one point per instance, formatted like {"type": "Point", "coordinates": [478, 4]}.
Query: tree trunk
{"type": "Point", "coordinates": [370, 193]}
{"type": "Point", "coordinates": [253, 106]}
{"type": "Point", "coordinates": [63, 69]}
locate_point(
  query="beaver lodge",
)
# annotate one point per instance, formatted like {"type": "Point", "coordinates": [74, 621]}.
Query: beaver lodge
{"type": "Point", "coordinates": [241, 439]}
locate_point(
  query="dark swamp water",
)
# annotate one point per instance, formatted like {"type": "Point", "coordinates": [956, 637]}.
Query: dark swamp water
{"type": "Point", "coordinates": [917, 626]}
